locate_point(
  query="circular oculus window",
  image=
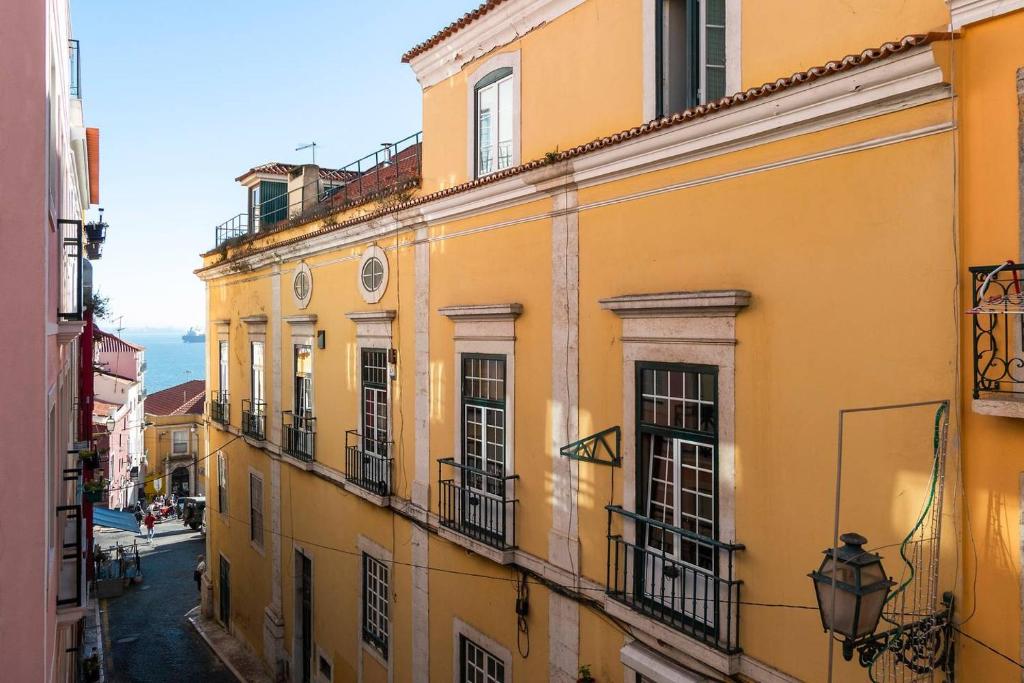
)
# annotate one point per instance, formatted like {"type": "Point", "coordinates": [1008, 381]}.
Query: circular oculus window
{"type": "Point", "coordinates": [373, 274]}
{"type": "Point", "coordinates": [302, 285]}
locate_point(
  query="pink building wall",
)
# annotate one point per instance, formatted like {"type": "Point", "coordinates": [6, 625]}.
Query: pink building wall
{"type": "Point", "coordinates": [39, 377]}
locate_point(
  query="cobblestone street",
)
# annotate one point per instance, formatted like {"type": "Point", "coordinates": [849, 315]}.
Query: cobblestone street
{"type": "Point", "coordinates": [147, 637]}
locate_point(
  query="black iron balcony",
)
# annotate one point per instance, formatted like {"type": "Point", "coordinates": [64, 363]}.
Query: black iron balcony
{"type": "Point", "coordinates": [71, 292]}
{"type": "Point", "coordinates": [254, 419]}
{"type": "Point", "coordinates": [368, 463]}
{"type": "Point", "coordinates": [677, 577]}
{"type": "Point", "coordinates": [220, 407]}
{"type": "Point", "coordinates": [477, 503]}
{"type": "Point", "coordinates": [998, 330]}
{"type": "Point", "coordinates": [69, 585]}
{"type": "Point", "coordinates": [298, 435]}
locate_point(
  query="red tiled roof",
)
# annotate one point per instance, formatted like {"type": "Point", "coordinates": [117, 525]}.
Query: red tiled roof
{"type": "Point", "coordinates": [182, 399]}
{"type": "Point", "coordinates": [700, 111]}
{"type": "Point", "coordinates": [278, 168]}
{"type": "Point", "coordinates": [452, 28]}
{"type": "Point", "coordinates": [109, 343]}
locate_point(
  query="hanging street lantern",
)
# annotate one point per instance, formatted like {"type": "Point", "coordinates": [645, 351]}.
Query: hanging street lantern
{"type": "Point", "coordinates": [111, 423]}
{"type": "Point", "coordinates": [852, 589]}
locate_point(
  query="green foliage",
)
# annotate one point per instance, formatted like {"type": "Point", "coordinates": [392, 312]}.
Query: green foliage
{"type": "Point", "coordinates": [100, 305]}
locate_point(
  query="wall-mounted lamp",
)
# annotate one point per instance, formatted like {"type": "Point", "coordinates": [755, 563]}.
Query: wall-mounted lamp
{"type": "Point", "coordinates": [321, 339]}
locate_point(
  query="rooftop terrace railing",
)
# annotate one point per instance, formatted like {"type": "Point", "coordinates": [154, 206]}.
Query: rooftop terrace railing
{"type": "Point", "coordinates": [394, 168]}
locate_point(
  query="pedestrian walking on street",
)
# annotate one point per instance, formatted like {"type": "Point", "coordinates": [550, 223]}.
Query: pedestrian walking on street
{"type": "Point", "coordinates": [198, 573]}
{"type": "Point", "coordinates": [138, 518]}
{"type": "Point", "coordinates": [150, 522]}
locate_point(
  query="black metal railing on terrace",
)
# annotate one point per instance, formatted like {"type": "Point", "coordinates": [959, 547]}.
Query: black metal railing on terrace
{"type": "Point", "coordinates": [70, 305]}
{"type": "Point", "coordinates": [220, 407]}
{"type": "Point", "coordinates": [298, 435]}
{"type": "Point", "coordinates": [998, 330]}
{"type": "Point", "coordinates": [75, 87]}
{"type": "Point", "coordinates": [677, 577]}
{"type": "Point", "coordinates": [394, 168]}
{"type": "Point", "coordinates": [477, 503]}
{"type": "Point", "coordinates": [368, 463]}
{"type": "Point", "coordinates": [254, 419]}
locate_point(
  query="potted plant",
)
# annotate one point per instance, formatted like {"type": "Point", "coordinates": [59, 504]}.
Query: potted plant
{"type": "Point", "coordinates": [93, 489]}
{"type": "Point", "coordinates": [89, 458]}
{"type": "Point", "coordinates": [584, 675]}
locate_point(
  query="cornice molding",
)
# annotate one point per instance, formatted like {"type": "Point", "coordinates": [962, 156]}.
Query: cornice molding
{"type": "Point", "coordinates": [484, 312]}
{"type": "Point", "coordinates": [69, 330]}
{"type": "Point", "coordinates": [260, 319]}
{"type": "Point", "coordinates": [965, 12]}
{"type": "Point", "coordinates": [371, 316]}
{"type": "Point", "coordinates": [900, 82]}
{"type": "Point", "coordinates": [305, 319]}
{"type": "Point", "coordinates": [707, 303]}
{"type": "Point", "coordinates": [501, 26]}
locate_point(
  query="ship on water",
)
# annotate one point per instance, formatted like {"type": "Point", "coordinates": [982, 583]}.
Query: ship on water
{"type": "Point", "coordinates": [193, 336]}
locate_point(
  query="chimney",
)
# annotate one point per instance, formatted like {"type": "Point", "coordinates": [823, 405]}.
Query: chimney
{"type": "Point", "coordinates": [303, 189]}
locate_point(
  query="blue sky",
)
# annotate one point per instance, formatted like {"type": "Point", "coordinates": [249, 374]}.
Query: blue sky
{"type": "Point", "coordinates": [188, 98]}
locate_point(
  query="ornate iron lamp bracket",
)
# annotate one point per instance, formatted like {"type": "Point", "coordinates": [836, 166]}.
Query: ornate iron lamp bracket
{"type": "Point", "coordinates": [923, 646]}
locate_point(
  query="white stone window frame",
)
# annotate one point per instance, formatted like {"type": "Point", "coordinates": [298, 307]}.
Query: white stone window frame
{"type": "Point", "coordinates": [373, 331]}
{"type": "Point", "coordinates": [322, 654]}
{"type": "Point", "coordinates": [373, 296]}
{"type": "Point", "coordinates": [511, 60]}
{"type": "Point", "coordinates": [186, 441]}
{"type": "Point", "coordinates": [223, 332]}
{"type": "Point", "coordinates": [485, 329]}
{"type": "Point", "coordinates": [223, 502]}
{"type": "Point", "coordinates": [302, 268]}
{"type": "Point", "coordinates": [384, 556]}
{"type": "Point", "coordinates": [257, 475]}
{"type": "Point", "coordinates": [256, 326]}
{"type": "Point", "coordinates": [461, 629]}
{"type": "Point", "coordinates": [694, 328]}
{"type": "Point", "coordinates": [733, 54]}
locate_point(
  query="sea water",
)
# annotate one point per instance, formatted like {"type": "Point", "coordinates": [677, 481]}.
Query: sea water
{"type": "Point", "coordinates": [169, 360]}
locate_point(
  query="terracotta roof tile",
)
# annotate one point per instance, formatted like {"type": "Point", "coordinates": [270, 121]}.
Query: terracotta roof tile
{"type": "Point", "coordinates": [278, 168]}
{"type": "Point", "coordinates": [181, 399]}
{"type": "Point", "coordinates": [109, 343]}
{"type": "Point", "coordinates": [830, 68]}
{"type": "Point", "coordinates": [452, 28]}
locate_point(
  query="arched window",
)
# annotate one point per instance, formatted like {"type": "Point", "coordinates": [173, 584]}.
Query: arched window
{"type": "Point", "coordinates": [494, 113]}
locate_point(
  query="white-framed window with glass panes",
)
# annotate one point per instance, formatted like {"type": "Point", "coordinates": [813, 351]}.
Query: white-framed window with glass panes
{"type": "Point", "coordinates": [222, 484]}
{"type": "Point", "coordinates": [478, 664]}
{"type": "Point", "coordinates": [222, 367]}
{"type": "Point", "coordinates": [677, 488]}
{"type": "Point", "coordinates": [494, 113]}
{"type": "Point", "coordinates": [179, 442]}
{"type": "Point", "coordinates": [690, 53]}
{"type": "Point", "coordinates": [376, 601]}
{"type": "Point", "coordinates": [375, 401]}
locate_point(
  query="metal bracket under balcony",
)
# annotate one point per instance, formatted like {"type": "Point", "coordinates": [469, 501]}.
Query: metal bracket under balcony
{"type": "Point", "coordinates": [254, 419]}
{"type": "Point", "coordinates": [479, 505]}
{"type": "Point", "coordinates": [220, 407]}
{"type": "Point", "coordinates": [997, 316]}
{"type": "Point", "coordinates": [676, 577]}
{"type": "Point", "coordinates": [298, 435]}
{"type": "Point", "coordinates": [602, 448]}
{"type": "Point", "coordinates": [368, 464]}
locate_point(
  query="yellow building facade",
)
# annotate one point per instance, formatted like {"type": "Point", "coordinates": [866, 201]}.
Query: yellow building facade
{"type": "Point", "coordinates": [551, 389]}
{"type": "Point", "coordinates": [175, 441]}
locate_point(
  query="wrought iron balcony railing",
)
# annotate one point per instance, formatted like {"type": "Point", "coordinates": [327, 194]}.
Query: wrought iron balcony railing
{"type": "Point", "coordinates": [220, 407]}
{"type": "Point", "coordinates": [254, 419]}
{"type": "Point", "coordinates": [394, 168]}
{"type": "Point", "coordinates": [677, 577]}
{"type": "Point", "coordinates": [477, 503]}
{"type": "Point", "coordinates": [998, 330]}
{"type": "Point", "coordinates": [368, 463]}
{"type": "Point", "coordinates": [298, 435]}
{"type": "Point", "coordinates": [70, 592]}
{"type": "Point", "coordinates": [71, 292]}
